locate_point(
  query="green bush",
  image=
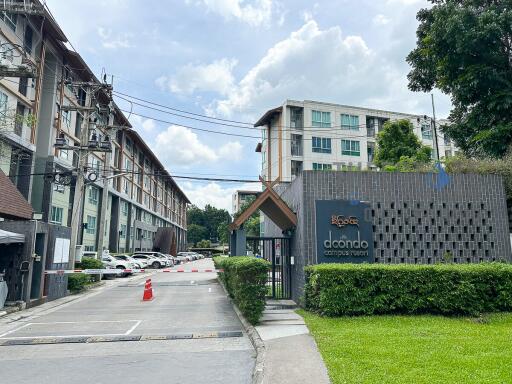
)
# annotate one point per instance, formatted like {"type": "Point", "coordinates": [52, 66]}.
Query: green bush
{"type": "Point", "coordinates": [448, 289]}
{"type": "Point", "coordinates": [90, 263]}
{"type": "Point", "coordinates": [77, 282]}
{"type": "Point", "coordinates": [245, 280]}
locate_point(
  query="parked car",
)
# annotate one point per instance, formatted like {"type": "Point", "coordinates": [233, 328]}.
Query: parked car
{"type": "Point", "coordinates": [136, 263]}
{"type": "Point", "coordinates": [182, 258]}
{"type": "Point", "coordinates": [168, 261]}
{"type": "Point", "coordinates": [185, 255]}
{"type": "Point", "coordinates": [150, 260]}
{"type": "Point", "coordinates": [112, 262]}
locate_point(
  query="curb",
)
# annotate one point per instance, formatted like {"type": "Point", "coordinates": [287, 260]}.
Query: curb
{"type": "Point", "coordinates": [257, 343]}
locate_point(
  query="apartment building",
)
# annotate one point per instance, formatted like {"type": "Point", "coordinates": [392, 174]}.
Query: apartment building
{"type": "Point", "coordinates": [312, 135]}
{"type": "Point", "coordinates": [50, 102]}
{"type": "Point", "coordinates": [240, 197]}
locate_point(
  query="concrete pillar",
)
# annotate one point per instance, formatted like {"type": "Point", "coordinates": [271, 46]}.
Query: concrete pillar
{"type": "Point", "coordinates": [237, 244]}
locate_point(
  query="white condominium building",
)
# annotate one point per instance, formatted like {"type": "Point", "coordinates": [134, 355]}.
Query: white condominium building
{"type": "Point", "coordinates": [312, 135]}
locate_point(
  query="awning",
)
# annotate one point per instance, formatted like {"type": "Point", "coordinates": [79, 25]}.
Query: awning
{"type": "Point", "coordinates": [11, 237]}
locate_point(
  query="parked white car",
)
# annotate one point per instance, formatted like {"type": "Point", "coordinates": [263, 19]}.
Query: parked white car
{"type": "Point", "coordinates": [136, 263]}
{"type": "Point", "coordinates": [168, 261]}
{"type": "Point", "coordinates": [113, 263]}
{"type": "Point", "coordinates": [151, 261]}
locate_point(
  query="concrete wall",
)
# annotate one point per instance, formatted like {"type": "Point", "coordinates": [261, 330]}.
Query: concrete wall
{"type": "Point", "coordinates": [413, 220]}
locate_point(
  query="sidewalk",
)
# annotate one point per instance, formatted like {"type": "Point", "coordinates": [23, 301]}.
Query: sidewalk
{"type": "Point", "coordinates": [290, 353]}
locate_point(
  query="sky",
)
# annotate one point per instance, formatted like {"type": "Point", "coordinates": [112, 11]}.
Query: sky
{"type": "Point", "coordinates": [234, 60]}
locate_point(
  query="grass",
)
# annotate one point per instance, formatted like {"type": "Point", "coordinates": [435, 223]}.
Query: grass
{"type": "Point", "coordinates": [415, 349]}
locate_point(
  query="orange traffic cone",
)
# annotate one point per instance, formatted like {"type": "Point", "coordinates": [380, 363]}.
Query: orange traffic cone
{"type": "Point", "coordinates": [148, 291]}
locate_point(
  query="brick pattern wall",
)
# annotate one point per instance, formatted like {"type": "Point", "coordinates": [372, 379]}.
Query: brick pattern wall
{"type": "Point", "coordinates": [413, 222]}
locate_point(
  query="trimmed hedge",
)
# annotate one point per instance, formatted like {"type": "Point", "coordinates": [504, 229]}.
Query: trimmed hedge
{"type": "Point", "coordinates": [90, 263]}
{"type": "Point", "coordinates": [368, 289]}
{"type": "Point", "coordinates": [245, 280]}
{"type": "Point", "coordinates": [78, 282]}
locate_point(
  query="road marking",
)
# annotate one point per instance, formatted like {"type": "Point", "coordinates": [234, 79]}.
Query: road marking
{"type": "Point", "coordinates": [14, 330]}
{"type": "Point", "coordinates": [133, 328]}
{"type": "Point", "coordinates": [209, 289]}
{"type": "Point", "coordinates": [192, 282]}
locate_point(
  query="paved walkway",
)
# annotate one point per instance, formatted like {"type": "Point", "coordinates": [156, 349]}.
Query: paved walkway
{"type": "Point", "coordinates": [291, 354]}
{"type": "Point", "coordinates": [188, 334]}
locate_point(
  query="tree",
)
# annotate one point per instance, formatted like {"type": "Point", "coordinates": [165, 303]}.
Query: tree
{"type": "Point", "coordinates": [209, 218]}
{"type": "Point", "coordinates": [196, 233]}
{"type": "Point", "coordinates": [204, 244]}
{"type": "Point", "coordinates": [223, 231]}
{"type": "Point", "coordinates": [252, 224]}
{"type": "Point", "coordinates": [464, 48]}
{"type": "Point", "coordinates": [397, 142]}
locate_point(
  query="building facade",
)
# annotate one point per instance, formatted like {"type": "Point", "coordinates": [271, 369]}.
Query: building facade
{"type": "Point", "coordinates": [49, 95]}
{"type": "Point", "coordinates": [413, 218]}
{"type": "Point", "coordinates": [311, 135]}
{"type": "Point", "coordinates": [240, 197]}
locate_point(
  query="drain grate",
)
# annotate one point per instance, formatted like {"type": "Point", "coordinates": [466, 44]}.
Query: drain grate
{"type": "Point", "coordinates": [112, 339]}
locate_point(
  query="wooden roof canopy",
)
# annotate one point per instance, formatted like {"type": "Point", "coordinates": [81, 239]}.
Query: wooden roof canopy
{"type": "Point", "coordinates": [271, 204]}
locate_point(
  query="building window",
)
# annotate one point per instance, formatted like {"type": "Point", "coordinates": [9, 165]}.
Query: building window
{"type": "Point", "coordinates": [321, 119]}
{"type": "Point", "coordinates": [129, 145]}
{"type": "Point", "coordinates": [296, 145]}
{"type": "Point", "coordinates": [66, 118]}
{"type": "Point", "coordinates": [93, 195]}
{"type": "Point", "coordinates": [350, 122]}
{"type": "Point", "coordinates": [447, 141]}
{"type": "Point", "coordinates": [91, 225]}
{"type": "Point", "coordinates": [426, 131]}
{"type": "Point", "coordinates": [295, 118]}
{"type": "Point", "coordinates": [127, 165]}
{"type": "Point", "coordinates": [321, 145]}
{"type": "Point", "coordinates": [19, 119]}
{"type": "Point", "coordinates": [27, 41]}
{"type": "Point", "coordinates": [63, 154]}
{"type": "Point", "coordinates": [322, 167]}
{"type": "Point", "coordinates": [350, 148]}
{"type": "Point", "coordinates": [122, 231]}
{"type": "Point", "coordinates": [95, 163]}
{"type": "Point", "coordinates": [296, 168]}
{"type": "Point", "coordinates": [10, 19]}
{"type": "Point", "coordinates": [23, 86]}
{"type": "Point", "coordinates": [4, 99]}
{"type": "Point", "coordinates": [56, 215]}
{"type": "Point", "coordinates": [124, 208]}
{"type": "Point", "coordinates": [447, 153]}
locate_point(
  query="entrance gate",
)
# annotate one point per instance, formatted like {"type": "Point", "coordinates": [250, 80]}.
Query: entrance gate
{"type": "Point", "coordinates": [277, 251]}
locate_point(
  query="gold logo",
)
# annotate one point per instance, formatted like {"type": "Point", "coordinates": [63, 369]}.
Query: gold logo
{"type": "Point", "coordinates": [340, 221]}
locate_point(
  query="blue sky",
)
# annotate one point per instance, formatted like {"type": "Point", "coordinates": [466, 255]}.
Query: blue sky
{"type": "Point", "coordinates": [235, 59]}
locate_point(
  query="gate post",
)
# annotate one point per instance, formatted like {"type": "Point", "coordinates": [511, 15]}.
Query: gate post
{"type": "Point", "coordinates": [237, 245]}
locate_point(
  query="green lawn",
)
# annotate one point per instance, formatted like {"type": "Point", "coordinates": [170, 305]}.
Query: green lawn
{"type": "Point", "coordinates": [415, 349]}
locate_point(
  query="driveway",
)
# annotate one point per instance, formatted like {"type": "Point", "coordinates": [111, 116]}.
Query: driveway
{"type": "Point", "coordinates": [188, 334]}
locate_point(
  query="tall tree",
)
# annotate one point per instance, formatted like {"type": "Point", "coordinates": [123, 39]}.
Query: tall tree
{"type": "Point", "coordinates": [397, 141]}
{"type": "Point", "coordinates": [464, 48]}
{"type": "Point", "coordinates": [196, 233]}
{"type": "Point", "coordinates": [208, 218]}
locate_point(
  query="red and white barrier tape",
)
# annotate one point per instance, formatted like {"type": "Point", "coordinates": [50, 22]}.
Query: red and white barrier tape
{"type": "Point", "coordinates": [122, 271]}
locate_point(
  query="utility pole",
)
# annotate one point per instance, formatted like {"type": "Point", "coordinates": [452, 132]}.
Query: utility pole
{"type": "Point", "coordinates": [435, 128]}
{"type": "Point", "coordinates": [76, 213]}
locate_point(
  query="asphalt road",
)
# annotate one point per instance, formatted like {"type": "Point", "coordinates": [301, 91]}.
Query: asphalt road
{"type": "Point", "coordinates": [185, 305]}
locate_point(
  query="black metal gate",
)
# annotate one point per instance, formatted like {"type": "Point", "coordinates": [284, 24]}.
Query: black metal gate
{"type": "Point", "coordinates": [277, 251]}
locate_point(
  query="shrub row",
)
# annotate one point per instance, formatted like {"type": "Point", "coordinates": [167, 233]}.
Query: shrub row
{"type": "Point", "coordinates": [245, 280]}
{"type": "Point", "coordinates": [78, 282]}
{"type": "Point", "coordinates": [448, 289]}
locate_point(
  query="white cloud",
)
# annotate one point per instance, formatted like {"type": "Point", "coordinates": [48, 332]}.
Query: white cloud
{"type": "Point", "coordinates": [180, 146]}
{"type": "Point", "coordinates": [220, 196]}
{"type": "Point", "coordinates": [214, 77]}
{"type": "Point", "coordinates": [380, 19]}
{"type": "Point", "coordinates": [110, 42]}
{"type": "Point", "coordinates": [148, 125]}
{"type": "Point", "coordinates": [254, 13]}
{"type": "Point", "coordinates": [316, 64]}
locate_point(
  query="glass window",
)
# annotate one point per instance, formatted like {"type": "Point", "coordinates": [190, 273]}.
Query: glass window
{"type": "Point", "coordinates": [426, 131]}
{"type": "Point", "coordinates": [124, 208]}
{"type": "Point", "coordinates": [91, 225]}
{"type": "Point", "coordinates": [322, 167]}
{"type": "Point", "coordinates": [10, 19]}
{"type": "Point", "coordinates": [123, 231]}
{"type": "Point", "coordinates": [350, 148]}
{"type": "Point", "coordinates": [56, 215]}
{"type": "Point", "coordinates": [350, 122]}
{"type": "Point", "coordinates": [93, 195]}
{"type": "Point", "coordinates": [296, 145]}
{"type": "Point", "coordinates": [66, 118]}
{"type": "Point", "coordinates": [321, 119]}
{"type": "Point", "coordinates": [321, 145]}
{"type": "Point", "coordinates": [3, 105]}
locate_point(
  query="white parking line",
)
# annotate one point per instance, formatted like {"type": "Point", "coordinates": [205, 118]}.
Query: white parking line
{"type": "Point", "coordinates": [133, 328]}
{"type": "Point", "coordinates": [137, 323]}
